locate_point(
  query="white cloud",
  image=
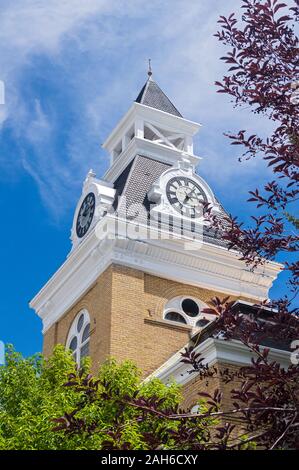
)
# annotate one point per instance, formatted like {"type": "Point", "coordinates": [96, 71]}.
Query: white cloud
{"type": "Point", "coordinates": [40, 128]}
{"type": "Point", "coordinates": [29, 25]}
{"type": "Point", "coordinates": [95, 53]}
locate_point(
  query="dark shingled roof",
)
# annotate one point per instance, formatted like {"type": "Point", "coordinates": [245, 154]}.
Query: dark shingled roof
{"type": "Point", "coordinates": [152, 95]}
{"type": "Point", "coordinates": [260, 314]}
{"type": "Point", "coordinates": [132, 187]}
{"type": "Point", "coordinates": [143, 173]}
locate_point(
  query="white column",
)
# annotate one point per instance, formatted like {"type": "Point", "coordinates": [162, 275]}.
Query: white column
{"type": "Point", "coordinates": [139, 128]}
{"type": "Point", "coordinates": [125, 142]}
{"type": "Point", "coordinates": [114, 155]}
{"type": "Point", "coordinates": [188, 144]}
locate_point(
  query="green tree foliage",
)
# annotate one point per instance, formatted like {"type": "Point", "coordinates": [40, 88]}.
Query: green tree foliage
{"type": "Point", "coordinates": [292, 219]}
{"type": "Point", "coordinates": [33, 392]}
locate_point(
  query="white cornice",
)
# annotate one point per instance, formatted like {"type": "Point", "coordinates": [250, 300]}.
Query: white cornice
{"type": "Point", "coordinates": [211, 267]}
{"type": "Point", "coordinates": [213, 351]}
{"type": "Point", "coordinates": [154, 115]}
{"type": "Point", "coordinates": [123, 147]}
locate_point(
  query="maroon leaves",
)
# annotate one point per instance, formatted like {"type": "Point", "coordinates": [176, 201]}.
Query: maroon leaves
{"type": "Point", "coordinates": [265, 58]}
{"type": "Point", "coordinates": [266, 401]}
{"type": "Point", "coordinates": [263, 69]}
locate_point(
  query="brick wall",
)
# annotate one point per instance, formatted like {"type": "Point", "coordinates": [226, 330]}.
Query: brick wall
{"type": "Point", "coordinates": [126, 307]}
{"type": "Point", "coordinates": [97, 300]}
{"type": "Point", "coordinates": [192, 389]}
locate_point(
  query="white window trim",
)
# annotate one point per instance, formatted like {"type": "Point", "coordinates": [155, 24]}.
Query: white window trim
{"type": "Point", "coordinates": [175, 305]}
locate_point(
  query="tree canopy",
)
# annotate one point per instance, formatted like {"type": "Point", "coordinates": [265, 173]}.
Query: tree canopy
{"type": "Point", "coordinates": [35, 391]}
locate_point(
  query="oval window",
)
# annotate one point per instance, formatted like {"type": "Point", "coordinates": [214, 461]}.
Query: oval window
{"type": "Point", "coordinates": [190, 307]}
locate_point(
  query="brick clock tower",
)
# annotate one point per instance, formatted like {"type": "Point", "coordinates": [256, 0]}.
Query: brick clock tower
{"type": "Point", "coordinates": [143, 262]}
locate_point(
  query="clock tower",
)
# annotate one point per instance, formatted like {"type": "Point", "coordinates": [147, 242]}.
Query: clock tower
{"type": "Point", "coordinates": [144, 262]}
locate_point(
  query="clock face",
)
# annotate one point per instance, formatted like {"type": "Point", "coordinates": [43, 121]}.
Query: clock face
{"type": "Point", "coordinates": [85, 215]}
{"type": "Point", "coordinates": [186, 196]}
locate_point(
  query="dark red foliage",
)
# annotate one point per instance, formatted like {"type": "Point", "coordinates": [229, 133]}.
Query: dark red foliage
{"type": "Point", "coordinates": [267, 401]}
{"type": "Point", "coordinates": [263, 72]}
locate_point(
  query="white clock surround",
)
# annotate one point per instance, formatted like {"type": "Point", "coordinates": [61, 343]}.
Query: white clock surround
{"type": "Point", "coordinates": [104, 196]}
{"type": "Point", "coordinates": [158, 192]}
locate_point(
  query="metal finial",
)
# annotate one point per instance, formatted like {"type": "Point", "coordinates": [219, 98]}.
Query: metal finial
{"type": "Point", "coordinates": [149, 72]}
{"type": "Point", "coordinates": [91, 173]}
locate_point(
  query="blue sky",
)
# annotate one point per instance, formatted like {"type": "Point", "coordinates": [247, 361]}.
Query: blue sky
{"type": "Point", "coordinates": [71, 69]}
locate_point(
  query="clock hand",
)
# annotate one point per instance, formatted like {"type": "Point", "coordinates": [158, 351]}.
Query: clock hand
{"type": "Point", "coordinates": [86, 210]}
{"type": "Point", "coordinates": [191, 192]}
{"type": "Point", "coordinates": [187, 197]}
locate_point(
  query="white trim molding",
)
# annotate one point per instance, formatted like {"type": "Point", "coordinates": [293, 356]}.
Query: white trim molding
{"type": "Point", "coordinates": [210, 266]}
{"type": "Point", "coordinates": [213, 351]}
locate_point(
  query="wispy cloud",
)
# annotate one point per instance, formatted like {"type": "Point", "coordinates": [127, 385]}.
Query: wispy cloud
{"type": "Point", "coordinates": [72, 68]}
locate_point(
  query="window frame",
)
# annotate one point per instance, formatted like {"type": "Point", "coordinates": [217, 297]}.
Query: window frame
{"type": "Point", "coordinates": [74, 333]}
{"type": "Point", "coordinates": [175, 305]}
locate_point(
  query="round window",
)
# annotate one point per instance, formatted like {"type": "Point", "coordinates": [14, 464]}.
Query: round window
{"type": "Point", "coordinates": [188, 311]}
{"type": "Point", "coordinates": [190, 307]}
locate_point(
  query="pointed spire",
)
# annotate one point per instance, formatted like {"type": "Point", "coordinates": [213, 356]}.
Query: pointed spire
{"type": "Point", "coordinates": [151, 95]}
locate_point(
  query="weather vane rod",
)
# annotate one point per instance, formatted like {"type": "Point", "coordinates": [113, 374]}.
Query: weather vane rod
{"type": "Point", "coordinates": [149, 72]}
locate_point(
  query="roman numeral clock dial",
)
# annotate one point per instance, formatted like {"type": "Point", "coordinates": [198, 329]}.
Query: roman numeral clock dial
{"type": "Point", "coordinates": [85, 215]}
{"type": "Point", "coordinates": [186, 196]}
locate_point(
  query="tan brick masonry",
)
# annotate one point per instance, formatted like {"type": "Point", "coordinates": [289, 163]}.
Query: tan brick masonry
{"type": "Point", "coordinates": [126, 307]}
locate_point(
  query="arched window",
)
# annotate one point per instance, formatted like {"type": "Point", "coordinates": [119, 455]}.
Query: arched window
{"type": "Point", "coordinates": [174, 316]}
{"type": "Point", "coordinates": [78, 337]}
{"type": "Point", "coordinates": [188, 311]}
